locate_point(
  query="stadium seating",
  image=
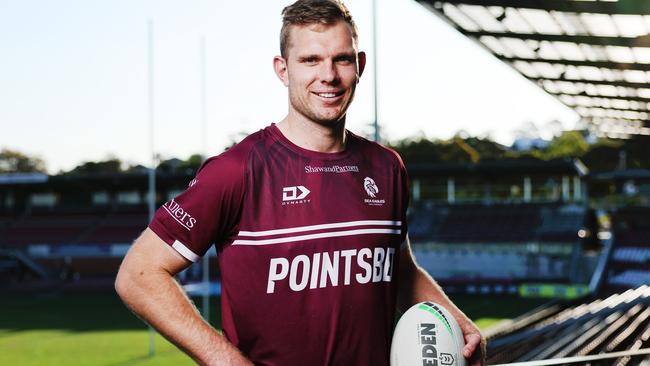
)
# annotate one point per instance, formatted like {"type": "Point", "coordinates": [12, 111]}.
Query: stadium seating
{"type": "Point", "coordinates": [617, 323]}
{"type": "Point", "coordinates": [69, 240]}
{"type": "Point", "coordinates": [561, 223]}
{"type": "Point", "coordinates": [502, 223]}
{"type": "Point", "coordinates": [497, 243]}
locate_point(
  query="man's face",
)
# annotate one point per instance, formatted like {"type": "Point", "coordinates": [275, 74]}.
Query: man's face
{"type": "Point", "coordinates": [321, 71]}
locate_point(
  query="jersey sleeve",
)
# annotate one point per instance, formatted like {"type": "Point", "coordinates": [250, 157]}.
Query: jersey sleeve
{"type": "Point", "coordinates": [404, 193]}
{"type": "Point", "coordinates": [406, 196]}
{"type": "Point", "coordinates": [207, 211]}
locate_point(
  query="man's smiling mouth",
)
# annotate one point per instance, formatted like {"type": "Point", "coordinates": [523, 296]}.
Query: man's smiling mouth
{"type": "Point", "coordinates": [329, 94]}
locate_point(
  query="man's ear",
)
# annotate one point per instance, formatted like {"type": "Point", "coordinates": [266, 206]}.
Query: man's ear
{"type": "Point", "coordinates": [280, 67]}
{"type": "Point", "coordinates": [362, 62]}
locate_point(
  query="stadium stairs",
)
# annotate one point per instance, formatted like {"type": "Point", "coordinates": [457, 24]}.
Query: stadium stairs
{"type": "Point", "coordinates": [629, 264]}
{"type": "Point", "coordinates": [14, 262]}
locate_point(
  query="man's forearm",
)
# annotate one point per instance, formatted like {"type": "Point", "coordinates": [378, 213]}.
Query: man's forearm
{"type": "Point", "coordinates": [166, 308]}
{"type": "Point", "coordinates": [158, 299]}
{"type": "Point", "coordinates": [425, 288]}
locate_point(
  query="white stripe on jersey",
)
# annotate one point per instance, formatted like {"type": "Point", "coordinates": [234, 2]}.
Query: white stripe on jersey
{"type": "Point", "coordinates": [185, 251]}
{"type": "Point", "coordinates": [331, 234]}
{"type": "Point", "coordinates": [333, 225]}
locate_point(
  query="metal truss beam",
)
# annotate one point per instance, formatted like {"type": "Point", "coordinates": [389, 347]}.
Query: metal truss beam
{"type": "Point", "coordinates": [628, 7]}
{"type": "Point", "coordinates": [625, 84]}
{"type": "Point", "coordinates": [578, 39]}
{"type": "Point", "coordinates": [599, 64]}
{"type": "Point", "coordinates": [632, 99]}
{"type": "Point", "coordinates": [601, 107]}
{"type": "Point", "coordinates": [587, 112]}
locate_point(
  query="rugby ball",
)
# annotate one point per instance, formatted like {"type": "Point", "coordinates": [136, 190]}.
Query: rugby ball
{"type": "Point", "coordinates": [427, 334]}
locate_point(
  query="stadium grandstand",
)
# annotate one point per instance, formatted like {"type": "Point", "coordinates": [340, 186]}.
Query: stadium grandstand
{"type": "Point", "coordinates": [493, 226]}
{"type": "Point", "coordinates": [593, 57]}
{"type": "Point", "coordinates": [72, 226]}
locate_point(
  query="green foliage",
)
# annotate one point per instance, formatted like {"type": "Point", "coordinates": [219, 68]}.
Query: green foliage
{"type": "Point", "coordinates": [174, 165]}
{"type": "Point", "coordinates": [193, 162]}
{"type": "Point", "coordinates": [12, 161]}
{"type": "Point", "coordinates": [568, 144]}
{"type": "Point", "coordinates": [604, 155]}
{"type": "Point", "coordinates": [110, 166]}
{"type": "Point", "coordinates": [114, 165]}
{"type": "Point", "coordinates": [458, 150]}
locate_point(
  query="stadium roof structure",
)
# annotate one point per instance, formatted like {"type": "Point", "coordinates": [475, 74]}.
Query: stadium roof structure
{"type": "Point", "coordinates": [593, 56]}
{"type": "Point", "coordinates": [641, 174]}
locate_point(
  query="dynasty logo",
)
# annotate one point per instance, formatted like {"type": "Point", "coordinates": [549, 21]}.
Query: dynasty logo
{"type": "Point", "coordinates": [294, 195]}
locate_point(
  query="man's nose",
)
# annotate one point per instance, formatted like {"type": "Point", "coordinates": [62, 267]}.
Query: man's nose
{"type": "Point", "coordinates": [329, 73]}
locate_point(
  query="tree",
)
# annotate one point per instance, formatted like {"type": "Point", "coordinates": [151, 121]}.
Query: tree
{"type": "Point", "coordinates": [193, 162]}
{"type": "Point", "coordinates": [110, 166]}
{"type": "Point", "coordinates": [568, 144]}
{"type": "Point", "coordinates": [174, 165]}
{"type": "Point", "coordinates": [456, 150]}
{"type": "Point", "coordinates": [12, 161]}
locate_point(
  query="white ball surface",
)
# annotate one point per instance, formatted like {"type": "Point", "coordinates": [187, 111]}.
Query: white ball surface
{"type": "Point", "coordinates": [427, 334]}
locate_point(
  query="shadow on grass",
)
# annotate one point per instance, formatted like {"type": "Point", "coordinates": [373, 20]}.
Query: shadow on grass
{"type": "Point", "coordinates": [132, 361]}
{"type": "Point", "coordinates": [79, 312]}
{"type": "Point", "coordinates": [496, 307]}
{"type": "Point", "coordinates": [100, 311]}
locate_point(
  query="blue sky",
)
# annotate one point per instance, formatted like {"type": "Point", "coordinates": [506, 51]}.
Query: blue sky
{"type": "Point", "coordinates": [73, 81]}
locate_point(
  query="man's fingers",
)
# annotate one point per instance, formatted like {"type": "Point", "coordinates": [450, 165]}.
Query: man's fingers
{"type": "Point", "coordinates": [474, 349]}
{"type": "Point", "coordinates": [471, 343]}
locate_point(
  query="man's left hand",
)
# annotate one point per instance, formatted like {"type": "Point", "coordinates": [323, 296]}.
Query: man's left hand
{"type": "Point", "coordinates": [474, 350]}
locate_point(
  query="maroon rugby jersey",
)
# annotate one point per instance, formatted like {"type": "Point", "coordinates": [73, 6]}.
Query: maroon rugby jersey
{"type": "Point", "coordinates": [308, 245]}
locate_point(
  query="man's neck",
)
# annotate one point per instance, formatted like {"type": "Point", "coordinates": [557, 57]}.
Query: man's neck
{"type": "Point", "coordinates": [314, 136]}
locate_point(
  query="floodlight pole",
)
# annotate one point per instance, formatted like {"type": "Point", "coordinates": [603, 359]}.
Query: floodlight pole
{"type": "Point", "coordinates": [152, 169]}
{"type": "Point", "coordinates": [374, 68]}
{"type": "Point", "coordinates": [204, 148]}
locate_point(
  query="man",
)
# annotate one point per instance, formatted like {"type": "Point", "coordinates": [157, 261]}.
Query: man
{"type": "Point", "coordinates": [309, 222]}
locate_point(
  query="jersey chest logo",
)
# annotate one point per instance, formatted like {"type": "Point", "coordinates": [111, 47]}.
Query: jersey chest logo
{"type": "Point", "coordinates": [295, 195]}
{"type": "Point", "coordinates": [372, 190]}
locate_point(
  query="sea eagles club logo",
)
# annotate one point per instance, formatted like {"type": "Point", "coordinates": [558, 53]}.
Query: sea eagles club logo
{"type": "Point", "coordinates": [372, 190]}
{"type": "Point", "coordinates": [371, 187]}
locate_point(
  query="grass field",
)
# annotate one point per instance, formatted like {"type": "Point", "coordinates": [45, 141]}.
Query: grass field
{"type": "Point", "coordinates": [94, 328]}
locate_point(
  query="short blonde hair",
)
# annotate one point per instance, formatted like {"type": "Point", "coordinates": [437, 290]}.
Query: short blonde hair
{"type": "Point", "coordinates": [304, 12]}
